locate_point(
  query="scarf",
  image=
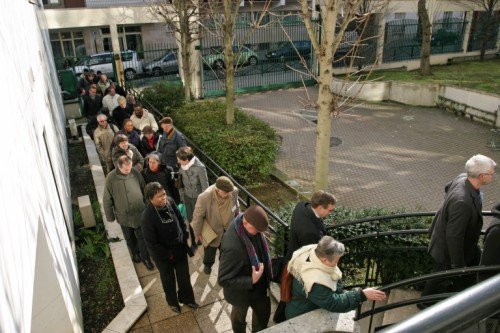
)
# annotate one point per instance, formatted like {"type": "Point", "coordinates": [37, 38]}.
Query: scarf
{"type": "Point", "coordinates": [170, 134]}
{"type": "Point", "coordinates": [151, 142]}
{"type": "Point", "coordinates": [252, 255]}
{"type": "Point", "coordinates": [224, 206]}
{"type": "Point", "coordinates": [313, 271]}
{"type": "Point", "coordinates": [190, 164]}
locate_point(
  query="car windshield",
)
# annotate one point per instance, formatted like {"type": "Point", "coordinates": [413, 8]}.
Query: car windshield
{"type": "Point", "coordinates": [81, 61]}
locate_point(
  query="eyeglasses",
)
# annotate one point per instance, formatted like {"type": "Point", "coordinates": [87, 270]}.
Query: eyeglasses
{"type": "Point", "coordinates": [103, 121]}
{"type": "Point", "coordinates": [489, 174]}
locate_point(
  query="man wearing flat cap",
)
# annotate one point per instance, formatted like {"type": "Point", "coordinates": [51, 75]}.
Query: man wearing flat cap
{"type": "Point", "coordinates": [245, 269]}
{"type": "Point", "coordinates": [214, 210]}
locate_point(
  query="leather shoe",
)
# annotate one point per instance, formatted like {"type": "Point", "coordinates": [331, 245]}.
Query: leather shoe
{"type": "Point", "coordinates": [136, 257]}
{"type": "Point", "coordinates": [176, 308]}
{"type": "Point", "coordinates": [207, 270]}
{"type": "Point", "coordinates": [192, 305]}
{"type": "Point", "coordinates": [149, 265]}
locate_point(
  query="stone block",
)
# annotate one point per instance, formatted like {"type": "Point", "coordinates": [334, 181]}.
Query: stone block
{"type": "Point", "coordinates": [73, 128]}
{"type": "Point", "coordinates": [86, 210]}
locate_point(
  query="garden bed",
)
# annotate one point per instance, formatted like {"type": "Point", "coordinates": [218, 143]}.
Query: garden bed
{"type": "Point", "coordinates": [99, 289]}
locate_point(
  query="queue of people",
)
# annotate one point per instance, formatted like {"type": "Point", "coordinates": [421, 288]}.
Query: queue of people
{"type": "Point", "coordinates": [143, 194]}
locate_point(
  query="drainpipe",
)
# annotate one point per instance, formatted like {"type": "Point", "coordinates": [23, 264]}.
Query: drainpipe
{"type": "Point", "coordinates": [115, 43]}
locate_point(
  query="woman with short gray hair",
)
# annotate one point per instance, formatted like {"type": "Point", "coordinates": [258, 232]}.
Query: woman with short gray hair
{"type": "Point", "coordinates": [317, 281]}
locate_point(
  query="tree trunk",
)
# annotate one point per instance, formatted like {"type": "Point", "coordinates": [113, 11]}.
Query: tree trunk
{"type": "Point", "coordinates": [425, 22]}
{"type": "Point", "coordinates": [185, 48]}
{"type": "Point", "coordinates": [229, 17]}
{"type": "Point", "coordinates": [486, 32]}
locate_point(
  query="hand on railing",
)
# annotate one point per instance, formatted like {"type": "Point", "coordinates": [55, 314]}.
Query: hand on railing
{"type": "Point", "coordinates": [374, 294]}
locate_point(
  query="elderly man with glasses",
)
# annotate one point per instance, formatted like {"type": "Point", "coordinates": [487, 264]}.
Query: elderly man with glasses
{"type": "Point", "coordinates": [457, 226]}
{"type": "Point", "coordinates": [103, 139]}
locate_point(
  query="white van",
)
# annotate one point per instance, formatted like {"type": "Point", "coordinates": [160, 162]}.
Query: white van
{"type": "Point", "coordinates": [132, 65]}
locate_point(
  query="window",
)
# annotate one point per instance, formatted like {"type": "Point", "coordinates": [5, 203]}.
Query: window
{"type": "Point", "coordinates": [399, 16]}
{"type": "Point", "coordinates": [129, 37]}
{"type": "Point", "coordinates": [68, 44]}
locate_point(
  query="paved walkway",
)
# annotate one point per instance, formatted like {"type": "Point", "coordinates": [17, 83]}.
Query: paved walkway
{"type": "Point", "coordinates": [211, 317]}
{"type": "Point", "coordinates": [391, 155]}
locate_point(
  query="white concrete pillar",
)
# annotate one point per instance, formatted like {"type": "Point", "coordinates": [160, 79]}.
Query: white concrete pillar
{"type": "Point", "coordinates": [115, 43]}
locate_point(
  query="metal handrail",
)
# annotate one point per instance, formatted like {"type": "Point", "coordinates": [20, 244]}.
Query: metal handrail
{"type": "Point", "coordinates": [457, 312]}
{"type": "Point", "coordinates": [219, 169]}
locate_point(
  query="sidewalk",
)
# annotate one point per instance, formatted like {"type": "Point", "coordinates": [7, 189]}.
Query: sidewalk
{"type": "Point", "coordinates": [391, 155]}
{"type": "Point", "coordinates": [212, 315]}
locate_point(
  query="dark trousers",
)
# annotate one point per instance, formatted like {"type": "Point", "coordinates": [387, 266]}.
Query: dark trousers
{"type": "Point", "coordinates": [170, 273]}
{"type": "Point", "coordinates": [135, 241]}
{"type": "Point", "coordinates": [190, 203]}
{"type": "Point", "coordinates": [209, 256]}
{"type": "Point", "coordinates": [261, 311]}
{"type": "Point", "coordinates": [450, 284]}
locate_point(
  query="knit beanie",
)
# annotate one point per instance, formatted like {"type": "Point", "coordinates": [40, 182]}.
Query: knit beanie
{"type": "Point", "coordinates": [225, 184]}
{"type": "Point", "coordinates": [257, 217]}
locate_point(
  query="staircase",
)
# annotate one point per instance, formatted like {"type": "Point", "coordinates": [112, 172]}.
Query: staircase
{"type": "Point", "coordinates": [386, 318]}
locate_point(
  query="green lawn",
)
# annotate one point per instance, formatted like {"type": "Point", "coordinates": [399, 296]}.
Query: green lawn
{"type": "Point", "coordinates": [484, 76]}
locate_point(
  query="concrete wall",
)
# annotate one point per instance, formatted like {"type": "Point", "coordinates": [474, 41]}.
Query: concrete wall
{"type": "Point", "coordinates": [38, 273]}
{"type": "Point", "coordinates": [478, 106]}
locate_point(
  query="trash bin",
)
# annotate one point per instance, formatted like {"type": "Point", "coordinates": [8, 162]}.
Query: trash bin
{"type": "Point", "coordinates": [67, 80]}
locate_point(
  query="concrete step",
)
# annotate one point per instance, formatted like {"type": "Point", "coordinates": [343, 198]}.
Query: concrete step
{"type": "Point", "coordinates": [399, 314]}
{"type": "Point", "coordinates": [364, 323]}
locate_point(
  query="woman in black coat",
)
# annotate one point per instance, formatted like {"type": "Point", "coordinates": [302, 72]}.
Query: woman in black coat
{"type": "Point", "coordinates": [154, 171]}
{"type": "Point", "coordinates": [166, 237]}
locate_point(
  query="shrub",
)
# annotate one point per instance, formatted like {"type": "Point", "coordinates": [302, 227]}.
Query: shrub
{"type": "Point", "coordinates": [166, 96]}
{"type": "Point", "coordinates": [398, 256]}
{"type": "Point", "coordinates": [246, 150]}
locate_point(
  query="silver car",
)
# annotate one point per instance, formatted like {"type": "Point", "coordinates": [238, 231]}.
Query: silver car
{"type": "Point", "coordinates": [103, 62]}
{"type": "Point", "coordinates": [166, 64]}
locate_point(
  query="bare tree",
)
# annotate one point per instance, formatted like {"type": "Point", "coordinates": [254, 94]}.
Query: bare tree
{"type": "Point", "coordinates": [325, 39]}
{"type": "Point", "coordinates": [223, 14]}
{"type": "Point", "coordinates": [426, 26]}
{"type": "Point", "coordinates": [181, 17]}
{"type": "Point", "coordinates": [488, 23]}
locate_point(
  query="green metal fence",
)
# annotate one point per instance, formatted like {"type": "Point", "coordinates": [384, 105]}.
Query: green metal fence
{"type": "Point", "coordinates": [481, 29]}
{"type": "Point", "coordinates": [403, 38]}
{"type": "Point", "coordinates": [266, 58]}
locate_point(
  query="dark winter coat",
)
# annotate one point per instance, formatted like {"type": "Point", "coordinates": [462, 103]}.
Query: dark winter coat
{"type": "Point", "coordinates": [235, 269]}
{"type": "Point", "coordinates": [305, 228]}
{"type": "Point", "coordinates": [168, 146]}
{"type": "Point", "coordinates": [144, 148]}
{"type": "Point", "coordinates": [491, 248]}
{"type": "Point", "coordinates": [120, 114]}
{"type": "Point", "coordinates": [91, 106]}
{"type": "Point", "coordinates": [165, 241]}
{"type": "Point", "coordinates": [123, 198]}
{"type": "Point", "coordinates": [133, 137]}
{"type": "Point", "coordinates": [321, 297]}
{"type": "Point", "coordinates": [457, 225]}
{"type": "Point", "coordinates": [163, 176]}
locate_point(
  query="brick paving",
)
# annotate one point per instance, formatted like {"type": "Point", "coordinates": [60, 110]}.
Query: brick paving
{"type": "Point", "coordinates": [391, 155]}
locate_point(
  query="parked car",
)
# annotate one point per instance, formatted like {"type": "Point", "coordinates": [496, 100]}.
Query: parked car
{"type": "Point", "coordinates": [291, 51]}
{"type": "Point", "coordinates": [242, 55]}
{"type": "Point", "coordinates": [166, 64]}
{"type": "Point", "coordinates": [132, 65]}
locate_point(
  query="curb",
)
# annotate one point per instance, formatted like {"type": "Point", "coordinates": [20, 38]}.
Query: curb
{"type": "Point", "coordinates": [132, 293]}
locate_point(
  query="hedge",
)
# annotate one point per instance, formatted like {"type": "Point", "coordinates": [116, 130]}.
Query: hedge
{"type": "Point", "coordinates": [246, 150]}
{"type": "Point", "coordinates": [396, 263]}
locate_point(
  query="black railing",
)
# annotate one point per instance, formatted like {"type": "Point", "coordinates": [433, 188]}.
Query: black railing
{"type": "Point", "coordinates": [214, 171]}
{"type": "Point", "coordinates": [458, 312]}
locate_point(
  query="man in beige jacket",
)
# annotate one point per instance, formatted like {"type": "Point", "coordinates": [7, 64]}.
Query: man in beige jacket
{"type": "Point", "coordinates": [103, 139]}
{"type": "Point", "coordinates": [215, 207]}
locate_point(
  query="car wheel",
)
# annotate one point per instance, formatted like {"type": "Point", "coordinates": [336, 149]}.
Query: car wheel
{"type": "Point", "coordinates": [157, 71]}
{"type": "Point", "coordinates": [218, 64]}
{"type": "Point", "coordinates": [129, 74]}
{"type": "Point", "coordinates": [252, 61]}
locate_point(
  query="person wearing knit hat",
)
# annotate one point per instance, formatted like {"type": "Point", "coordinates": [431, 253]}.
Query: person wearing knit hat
{"type": "Point", "coordinates": [214, 210]}
{"type": "Point", "coordinates": [245, 269]}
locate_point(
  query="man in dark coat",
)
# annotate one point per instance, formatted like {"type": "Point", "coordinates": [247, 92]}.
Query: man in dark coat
{"type": "Point", "coordinates": [92, 103]}
{"type": "Point", "coordinates": [245, 269]}
{"type": "Point", "coordinates": [170, 141]}
{"type": "Point", "coordinates": [491, 248]}
{"type": "Point", "coordinates": [457, 225]}
{"type": "Point", "coordinates": [166, 238]}
{"type": "Point", "coordinates": [306, 228]}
